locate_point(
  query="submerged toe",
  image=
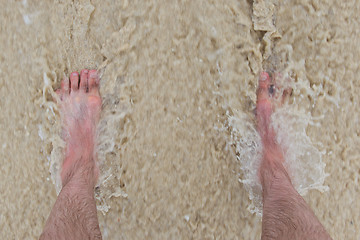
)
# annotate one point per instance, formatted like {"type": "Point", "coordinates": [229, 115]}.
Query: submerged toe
{"type": "Point", "coordinates": [74, 81]}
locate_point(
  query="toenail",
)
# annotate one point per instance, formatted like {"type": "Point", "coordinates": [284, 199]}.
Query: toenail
{"type": "Point", "coordinates": [263, 77]}
{"type": "Point", "coordinates": [74, 74]}
{"type": "Point", "coordinates": [93, 75]}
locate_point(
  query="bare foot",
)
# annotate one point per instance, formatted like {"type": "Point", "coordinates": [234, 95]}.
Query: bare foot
{"type": "Point", "coordinates": [80, 106]}
{"type": "Point", "coordinates": [285, 213]}
{"type": "Point", "coordinates": [272, 153]}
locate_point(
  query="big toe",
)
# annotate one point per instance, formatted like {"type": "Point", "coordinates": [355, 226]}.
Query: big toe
{"type": "Point", "coordinates": [265, 88]}
{"type": "Point", "coordinates": [74, 81]}
{"type": "Point", "coordinates": [264, 106]}
{"type": "Point", "coordinates": [263, 103]}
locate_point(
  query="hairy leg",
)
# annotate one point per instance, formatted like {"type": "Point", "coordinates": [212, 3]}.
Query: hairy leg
{"type": "Point", "coordinates": [285, 213]}
{"type": "Point", "coordinates": [74, 213]}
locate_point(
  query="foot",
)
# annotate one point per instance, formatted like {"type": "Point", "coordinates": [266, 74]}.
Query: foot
{"type": "Point", "coordinates": [266, 97]}
{"type": "Point", "coordinates": [80, 106]}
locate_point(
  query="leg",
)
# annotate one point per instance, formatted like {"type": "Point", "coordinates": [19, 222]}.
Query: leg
{"type": "Point", "coordinates": [285, 213]}
{"type": "Point", "coordinates": [74, 213]}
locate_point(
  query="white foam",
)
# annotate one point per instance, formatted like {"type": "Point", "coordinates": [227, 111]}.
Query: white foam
{"type": "Point", "coordinates": [41, 132]}
{"type": "Point", "coordinates": [27, 20]}
{"type": "Point", "coordinates": [302, 159]}
{"type": "Point", "coordinates": [248, 152]}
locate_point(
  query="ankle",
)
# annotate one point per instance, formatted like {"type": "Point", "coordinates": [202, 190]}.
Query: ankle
{"type": "Point", "coordinates": [272, 171]}
{"type": "Point", "coordinates": [79, 169]}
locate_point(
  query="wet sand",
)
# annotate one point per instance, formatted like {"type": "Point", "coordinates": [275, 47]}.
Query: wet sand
{"type": "Point", "coordinates": [174, 74]}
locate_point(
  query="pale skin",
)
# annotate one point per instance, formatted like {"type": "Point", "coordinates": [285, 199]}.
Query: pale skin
{"type": "Point", "coordinates": [74, 216]}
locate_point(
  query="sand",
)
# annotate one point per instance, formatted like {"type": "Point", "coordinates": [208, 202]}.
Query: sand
{"type": "Point", "coordinates": [175, 75]}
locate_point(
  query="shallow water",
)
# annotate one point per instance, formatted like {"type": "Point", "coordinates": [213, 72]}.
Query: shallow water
{"type": "Point", "coordinates": [177, 131]}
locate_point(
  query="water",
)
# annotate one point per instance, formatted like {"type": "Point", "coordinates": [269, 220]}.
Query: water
{"type": "Point", "coordinates": [177, 130]}
{"type": "Point", "coordinates": [303, 159]}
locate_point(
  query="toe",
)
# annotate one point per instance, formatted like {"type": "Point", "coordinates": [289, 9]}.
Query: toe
{"type": "Point", "coordinates": [264, 88]}
{"type": "Point", "coordinates": [264, 79]}
{"type": "Point", "coordinates": [74, 80]}
{"type": "Point", "coordinates": [84, 80]}
{"type": "Point", "coordinates": [65, 86]}
{"type": "Point", "coordinates": [93, 80]}
{"type": "Point", "coordinates": [264, 105]}
{"type": "Point", "coordinates": [283, 85]}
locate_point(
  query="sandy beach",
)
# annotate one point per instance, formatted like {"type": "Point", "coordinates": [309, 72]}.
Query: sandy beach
{"type": "Point", "coordinates": [177, 144]}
